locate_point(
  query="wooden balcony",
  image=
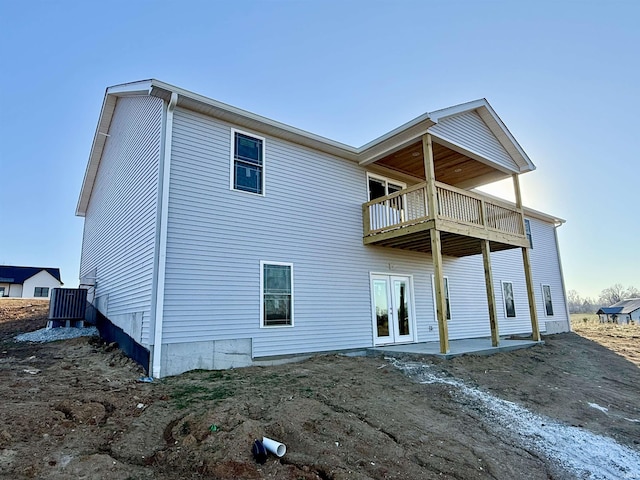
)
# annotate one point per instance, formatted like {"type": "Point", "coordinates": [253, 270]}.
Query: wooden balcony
{"type": "Point", "coordinates": [402, 220]}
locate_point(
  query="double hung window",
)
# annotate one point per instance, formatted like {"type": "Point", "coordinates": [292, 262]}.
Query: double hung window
{"type": "Point", "coordinates": [247, 163]}
{"type": "Point", "coordinates": [276, 294]}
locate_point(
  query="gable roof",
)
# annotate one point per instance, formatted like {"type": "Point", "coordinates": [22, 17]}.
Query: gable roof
{"type": "Point", "coordinates": [622, 307]}
{"type": "Point", "coordinates": [366, 154]}
{"type": "Point", "coordinates": [11, 274]}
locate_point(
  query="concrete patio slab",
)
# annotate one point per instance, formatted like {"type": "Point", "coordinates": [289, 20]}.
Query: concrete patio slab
{"type": "Point", "coordinates": [471, 346]}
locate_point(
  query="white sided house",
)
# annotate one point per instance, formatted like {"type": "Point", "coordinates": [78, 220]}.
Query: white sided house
{"type": "Point", "coordinates": [622, 312]}
{"type": "Point", "coordinates": [218, 238]}
{"type": "Point", "coordinates": [28, 282]}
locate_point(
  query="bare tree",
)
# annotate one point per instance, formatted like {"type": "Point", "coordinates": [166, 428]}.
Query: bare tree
{"type": "Point", "coordinates": [577, 304]}
{"type": "Point", "coordinates": [617, 292]}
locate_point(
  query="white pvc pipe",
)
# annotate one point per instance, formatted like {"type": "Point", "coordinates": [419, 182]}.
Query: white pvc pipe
{"type": "Point", "coordinates": [274, 447]}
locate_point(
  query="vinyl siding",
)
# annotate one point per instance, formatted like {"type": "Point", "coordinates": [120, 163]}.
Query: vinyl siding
{"type": "Point", "coordinates": [545, 266]}
{"type": "Point", "coordinates": [469, 131]}
{"type": "Point", "coordinates": [41, 279]}
{"type": "Point", "coordinates": [120, 223]}
{"type": "Point", "coordinates": [311, 217]}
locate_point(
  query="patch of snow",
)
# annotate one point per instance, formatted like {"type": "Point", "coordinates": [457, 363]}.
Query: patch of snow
{"type": "Point", "coordinates": [598, 407]}
{"type": "Point", "coordinates": [53, 334]}
{"type": "Point", "coordinates": [583, 453]}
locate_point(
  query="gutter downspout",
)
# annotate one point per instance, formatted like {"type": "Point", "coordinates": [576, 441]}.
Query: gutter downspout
{"type": "Point", "coordinates": [564, 289]}
{"type": "Point", "coordinates": [163, 218]}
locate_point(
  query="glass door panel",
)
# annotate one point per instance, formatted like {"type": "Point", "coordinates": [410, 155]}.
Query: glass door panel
{"type": "Point", "coordinates": [392, 315]}
{"type": "Point", "coordinates": [381, 305]}
{"type": "Point", "coordinates": [401, 304]}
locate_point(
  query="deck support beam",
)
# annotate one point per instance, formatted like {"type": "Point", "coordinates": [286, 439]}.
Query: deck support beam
{"type": "Point", "coordinates": [441, 300]}
{"type": "Point", "coordinates": [491, 298]}
{"type": "Point", "coordinates": [526, 261]}
{"type": "Point", "coordinates": [436, 244]}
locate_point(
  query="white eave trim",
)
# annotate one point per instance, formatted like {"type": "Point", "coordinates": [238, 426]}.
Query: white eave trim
{"type": "Point", "coordinates": [368, 153]}
{"type": "Point", "coordinates": [495, 124]}
{"type": "Point", "coordinates": [102, 133]}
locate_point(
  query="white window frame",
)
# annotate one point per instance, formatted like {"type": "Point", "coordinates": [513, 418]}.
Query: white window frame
{"type": "Point", "coordinates": [290, 265]}
{"type": "Point", "coordinates": [504, 299]}
{"type": "Point", "coordinates": [387, 181]}
{"type": "Point", "coordinates": [232, 165]}
{"type": "Point", "coordinates": [544, 302]}
{"type": "Point", "coordinates": [447, 296]}
{"type": "Point", "coordinates": [35, 289]}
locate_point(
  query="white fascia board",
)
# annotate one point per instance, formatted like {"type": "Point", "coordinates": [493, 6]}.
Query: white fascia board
{"type": "Point", "coordinates": [495, 124]}
{"type": "Point", "coordinates": [545, 217]}
{"type": "Point", "coordinates": [244, 117]}
{"type": "Point", "coordinates": [395, 140]}
{"type": "Point", "coordinates": [438, 115]}
{"type": "Point", "coordinates": [99, 139]}
{"type": "Point", "coordinates": [142, 87]}
{"type": "Point", "coordinates": [504, 136]}
{"type": "Point", "coordinates": [396, 131]}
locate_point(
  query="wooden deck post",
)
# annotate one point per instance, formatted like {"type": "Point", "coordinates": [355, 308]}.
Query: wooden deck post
{"type": "Point", "coordinates": [526, 261]}
{"type": "Point", "coordinates": [491, 298]}
{"type": "Point", "coordinates": [535, 330]}
{"type": "Point", "coordinates": [436, 246]}
{"type": "Point", "coordinates": [441, 301]}
{"type": "Point", "coordinates": [430, 177]}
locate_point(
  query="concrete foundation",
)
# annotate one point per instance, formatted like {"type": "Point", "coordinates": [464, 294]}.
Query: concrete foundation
{"type": "Point", "coordinates": [556, 326]}
{"type": "Point", "coordinates": [178, 358]}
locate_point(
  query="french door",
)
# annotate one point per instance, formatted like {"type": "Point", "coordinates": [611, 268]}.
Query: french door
{"type": "Point", "coordinates": [392, 304]}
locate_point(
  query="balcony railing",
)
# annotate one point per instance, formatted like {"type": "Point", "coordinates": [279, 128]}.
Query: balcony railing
{"type": "Point", "coordinates": [409, 207]}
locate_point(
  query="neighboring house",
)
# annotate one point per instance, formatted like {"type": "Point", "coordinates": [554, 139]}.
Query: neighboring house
{"type": "Point", "coordinates": [28, 282]}
{"type": "Point", "coordinates": [623, 311]}
{"type": "Point", "coordinates": [215, 237]}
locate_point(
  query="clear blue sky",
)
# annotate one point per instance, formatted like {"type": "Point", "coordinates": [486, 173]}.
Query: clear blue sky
{"type": "Point", "coordinates": [563, 75]}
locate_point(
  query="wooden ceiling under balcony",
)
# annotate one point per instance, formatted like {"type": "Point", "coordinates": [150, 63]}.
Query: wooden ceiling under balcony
{"type": "Point", "coordinates": [451, 167]}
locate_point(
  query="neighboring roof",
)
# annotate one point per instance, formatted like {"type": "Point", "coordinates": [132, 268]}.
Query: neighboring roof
{"type": "Point", "coordinates": [10, 274]}
{"type": "Point", "coordinates": [366, 154]}
{"type": "Point", "coordinates": [623, 307]}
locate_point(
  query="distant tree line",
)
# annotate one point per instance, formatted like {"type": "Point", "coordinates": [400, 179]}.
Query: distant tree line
{"type": "Point", "coordinates": [608, 296]}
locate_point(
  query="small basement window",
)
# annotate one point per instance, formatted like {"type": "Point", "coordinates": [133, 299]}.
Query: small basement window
{"type": "Point", "coordinates": [247, 163]}
{"type": "Point", "coordinates": [41, 292]}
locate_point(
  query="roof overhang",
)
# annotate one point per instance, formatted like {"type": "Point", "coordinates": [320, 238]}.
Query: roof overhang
{"type": "Point", "coordinates": [367, 154]}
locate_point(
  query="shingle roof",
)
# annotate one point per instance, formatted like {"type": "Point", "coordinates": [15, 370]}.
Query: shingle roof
{"type": "Point", "coordinates": [622, 307]}
{"type": "Point", "coordinates": [10, 274]}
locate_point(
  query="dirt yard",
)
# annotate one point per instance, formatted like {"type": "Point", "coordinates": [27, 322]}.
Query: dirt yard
{"type": "Point", "coordinates": [75, 409]}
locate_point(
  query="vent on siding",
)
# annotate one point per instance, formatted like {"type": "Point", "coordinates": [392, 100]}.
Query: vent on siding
{"type": "Point", "coordinates": [67, 304]}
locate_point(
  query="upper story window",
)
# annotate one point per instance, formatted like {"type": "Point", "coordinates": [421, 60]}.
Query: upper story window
{"type": "Point", "coordinates": [527, 230]}
{"type": "Point", "coordinates": [380, 186]}
{"type": "Point", "coordinates": [247, 163]}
